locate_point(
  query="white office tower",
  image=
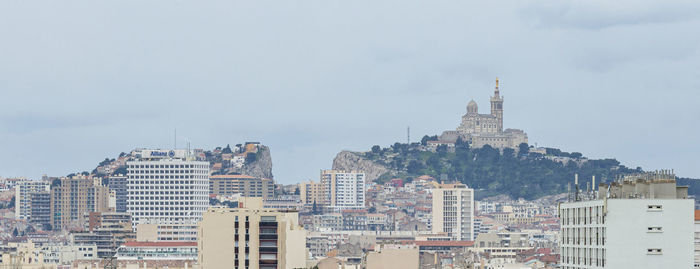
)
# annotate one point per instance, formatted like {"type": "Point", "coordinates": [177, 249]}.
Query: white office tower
{"type": "Point", "coordinates": [23, 195]}
{"type": "Point", "coordinates": [453, 211]}
{"type": "Point", "coordinates": [343, 190]}
{"type": "Point", "coordinates": [641, 221]}
{"type": "Point", "coordinates": [168, 190]}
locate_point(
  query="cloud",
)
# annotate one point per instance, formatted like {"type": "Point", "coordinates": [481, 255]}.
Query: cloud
{"type": "Point", "coordinates": [601, 14]}
{"type": "Point", "coordinates": [89, 79]}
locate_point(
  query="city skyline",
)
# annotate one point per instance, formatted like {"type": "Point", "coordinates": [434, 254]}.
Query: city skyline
{"type": "Point", "coordinates": [591, 77]}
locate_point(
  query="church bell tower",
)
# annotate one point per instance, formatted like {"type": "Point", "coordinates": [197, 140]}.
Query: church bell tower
{"type": "Point", "coordinates": [497, 107]}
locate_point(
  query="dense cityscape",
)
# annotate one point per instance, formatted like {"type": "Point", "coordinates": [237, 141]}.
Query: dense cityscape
{"type": "Point", "coordinates": [434, 203]}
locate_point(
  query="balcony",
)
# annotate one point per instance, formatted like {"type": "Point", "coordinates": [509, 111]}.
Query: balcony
{"type": "Point", "coordinates": [272, 250]}
{"type": "Point", "coordinates": [268, 224]}
{"type": "Point", "coordinates": [268, 236]}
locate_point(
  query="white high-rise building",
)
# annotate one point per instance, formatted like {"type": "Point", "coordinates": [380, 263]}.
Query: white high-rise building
{"type": "Point", "coordinates": [453, 211]}
{"type": "Point", "coordinates": [643, 221]}
{"type": "Point", "coordinates": [167, 190]}
{"type": "Point", "coordinates": [343, 190]}
{"type": "Point", "coordinates": [23, 195]}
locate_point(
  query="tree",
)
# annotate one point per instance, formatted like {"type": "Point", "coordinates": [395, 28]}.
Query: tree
{"type": "Point", "coordinates": [376, 149]}
{"type": "Point", "coordinates": [508, 152]}
{"type": "Point", "coordinates": [523, 149]}
{"type": "Point", "coordinates": [15, 233]}
{"type": "Point", "coordinates": [105, 162]}
{"type": "Point", "coordinates": [414, 167]}
{"type": "Point", "coordinates": [227, 149]}
{"type": "Point", "coordinates": [424, 140]}
{"type": "Point", "coordinates": [441, 148]}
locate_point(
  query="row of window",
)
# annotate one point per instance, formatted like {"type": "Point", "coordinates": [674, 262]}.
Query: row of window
{"type": "Point", "coordinates": [160, 176]}
{"type": "Point", "coordinates": [132, 194]}
{"type": "Point", "coordinates": [583, 256]}
{"type": "Point", "coordinates": [169, 166]}
{"type": "Point", "coordinates": [173, 171]}
{"type": "Point", "coordinates": [584, 236]}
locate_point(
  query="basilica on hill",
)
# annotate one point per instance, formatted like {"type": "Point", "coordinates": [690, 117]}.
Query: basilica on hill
{"type": "Point", "coordinates": [486, 129]}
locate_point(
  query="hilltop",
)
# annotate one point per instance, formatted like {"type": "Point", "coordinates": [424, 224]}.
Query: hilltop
{"type": "Point", "coordinates": [250, 158]}
{"type": "Point", "coordinates": [528, 173]}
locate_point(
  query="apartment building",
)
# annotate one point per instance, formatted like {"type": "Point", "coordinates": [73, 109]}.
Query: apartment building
{"type": "Point", "coordinates": [311, 193]}
{"type": "Point", "coordinates": [23, 192]}
{"type": "Point", "coordinates": [502, 245]}
{"type": "Point", "coordinates": [167, 190]}
{"type": "Point", "coordinates": [251, 237]}
{"type": "Point", "coordinates": [106, 231]}
{"type": "Point", "coordinates": [641, 221]}
{"type": "Point", "coordinates": [453, 211]}
{"type": "Point", "coordinates": [343, 190]}
{"type": "Point", "coordinates": [41, 208]}
{"type": "Point", "coordinates": [246, 186]}
{"type": "Point", "coordinates": [72, 197]}
{"type": "Point", "coordinates": [117, 184]}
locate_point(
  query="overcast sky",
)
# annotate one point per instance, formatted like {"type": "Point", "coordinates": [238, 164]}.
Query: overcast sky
{"type": "Point", "coordinates": [85, 80]}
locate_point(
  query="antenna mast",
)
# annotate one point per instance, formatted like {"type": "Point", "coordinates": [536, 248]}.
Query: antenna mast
{"type": "Point", "coordinates": [175, 140]}
{"type": "Point", "coordinates": [408, 135]}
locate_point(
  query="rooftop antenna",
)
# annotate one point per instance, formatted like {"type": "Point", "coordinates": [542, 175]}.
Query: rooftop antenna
{"type": "Point", "coordinates": [175, 139]}
{"type": "Point", "coordinates": [408, 135]}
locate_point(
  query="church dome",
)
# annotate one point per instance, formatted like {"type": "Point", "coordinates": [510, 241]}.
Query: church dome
{"type": "Point", "coordinates": [472, 108]}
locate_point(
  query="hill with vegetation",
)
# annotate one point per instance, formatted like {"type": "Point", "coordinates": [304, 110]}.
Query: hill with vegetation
{"type": "Point", "coordinates": [524, 173]}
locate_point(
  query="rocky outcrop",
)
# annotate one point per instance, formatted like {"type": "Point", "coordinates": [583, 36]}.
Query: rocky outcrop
{"type": "Point", "coordinates": [262, 166]}
{"type": "Point", "coordinates": [351, 161]}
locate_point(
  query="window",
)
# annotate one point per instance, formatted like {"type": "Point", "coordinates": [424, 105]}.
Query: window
{"type": "Point", "coordinates": [654, 208]}
{"type": "Point", "coordinates": [654, 229]}
{"type": "Point", "coordinates": [654, 251]}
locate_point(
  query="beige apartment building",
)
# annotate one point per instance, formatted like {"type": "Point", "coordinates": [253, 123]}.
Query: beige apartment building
{"type": "Point", "coordinates": [311, 193]}
{"type": "Point", "coordinates": [247, 186]}
{"type": "Point", "coordinates": [72, 197]}
{"type": "Point", "coordinates": [251, 237]}
{"type": "Point", "coordinates": [453, 211]}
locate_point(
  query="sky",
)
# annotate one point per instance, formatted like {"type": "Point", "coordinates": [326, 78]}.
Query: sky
{"type": "Point", "coordinates": [85, 80]}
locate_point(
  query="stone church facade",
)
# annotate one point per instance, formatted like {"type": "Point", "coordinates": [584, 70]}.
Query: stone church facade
{"type": "Point", "coordinates": [486, 129]}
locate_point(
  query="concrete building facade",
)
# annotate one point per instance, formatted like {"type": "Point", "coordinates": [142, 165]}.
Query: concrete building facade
{"type": "Point", "coordinates": [343, 189]}
{"type": "Point", "coordinates": [72, 197]}
{"type": "Point", "coordinates": [117, 184]}
{"type": "Point", "coordinates": [251, 237]}
{"type": "Point", "coordinates": [23, 192]}
{"type": "Point", "coordinates": [636, 223]}
{"type": "Point", "coordinates": [168, 189]}
{"type": "Point", "coordinates": [41, 208]}
{"type": "Point", "coordinates": [453, 211]}
{"type": "Point", "coordinates": [246, 186]}
{"type": "Point", "coordinates": [312, 192]}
